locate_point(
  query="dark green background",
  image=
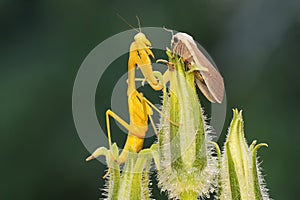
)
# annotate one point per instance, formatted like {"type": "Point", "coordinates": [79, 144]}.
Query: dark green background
{"type": "Point", "coordinates": [255, 44]}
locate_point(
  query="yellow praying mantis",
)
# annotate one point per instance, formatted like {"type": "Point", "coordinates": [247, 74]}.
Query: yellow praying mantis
{"type": "Point", "coordinates": [139, 107]}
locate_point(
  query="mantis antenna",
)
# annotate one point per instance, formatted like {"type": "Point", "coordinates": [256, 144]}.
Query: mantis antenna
{"type": "Point", "coordinates": [139, 23]}
{"type": "Point", "coordinates": [126, 22]}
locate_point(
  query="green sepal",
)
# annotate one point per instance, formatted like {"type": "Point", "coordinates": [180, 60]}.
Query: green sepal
{"type": "Point", "coordinates": [233, 177]}
{"type": "Point", "coordinates": [257, 188]}
{"type": "Point", "coordinates": [193, 68]}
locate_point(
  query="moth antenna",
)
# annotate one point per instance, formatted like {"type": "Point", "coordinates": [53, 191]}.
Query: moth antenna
{"type": "Point", "coordinates": [139, 23]}
{"type": "Point", "coordinates": [169, 30]}
{"type": "Point", "coordinates": [126, 22]}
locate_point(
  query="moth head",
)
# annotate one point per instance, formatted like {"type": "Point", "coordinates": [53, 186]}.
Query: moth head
{"type": "Point", "coordinates": [174, 41]}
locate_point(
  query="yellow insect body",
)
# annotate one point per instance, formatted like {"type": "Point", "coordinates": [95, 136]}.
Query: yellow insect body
{"type": "Point", "coordinates": [138, 112]}
{"type": "Point", "coordinates": [138, 106]}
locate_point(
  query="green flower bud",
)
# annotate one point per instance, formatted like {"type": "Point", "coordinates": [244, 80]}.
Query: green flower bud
{"type": "Point", "coordinates": [188, 169]}
{"type": "Point", "coordinates": [240, 176]}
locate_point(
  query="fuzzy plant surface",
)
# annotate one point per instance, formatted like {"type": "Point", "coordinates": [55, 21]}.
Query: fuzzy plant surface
{"type": "Point", "coordinates": [188, 169]}
{"type": "Point", "coordinates": [131, 182]}
{"type": "Point", "coordinates": [240, 174]}
{"type": "Point", "coordinates": [235, 173]}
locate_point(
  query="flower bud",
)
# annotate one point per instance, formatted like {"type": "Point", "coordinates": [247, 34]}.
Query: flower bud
{"type": "Point", "coordinates": [240, 176]}
{"type": "Point", "coordinates": [188, 169]}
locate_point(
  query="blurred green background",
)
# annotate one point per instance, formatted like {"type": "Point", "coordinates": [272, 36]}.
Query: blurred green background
{"type": "Point", "coordinates": [255, 44]}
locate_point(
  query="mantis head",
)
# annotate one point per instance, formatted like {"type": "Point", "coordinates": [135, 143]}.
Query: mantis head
{"type": "Point", "coordinates": [140, 37]}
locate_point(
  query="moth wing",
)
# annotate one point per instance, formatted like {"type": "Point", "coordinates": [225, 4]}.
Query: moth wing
{"type": "Point", "coordinates": [213, 81]}
{"type": "Point", "coordinates": [210, 82]}
{"type": "Point", "coordinates": [205, 90]}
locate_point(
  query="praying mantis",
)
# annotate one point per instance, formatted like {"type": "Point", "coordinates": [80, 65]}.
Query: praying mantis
{"type": "Point", "coordinates": [139, 107]}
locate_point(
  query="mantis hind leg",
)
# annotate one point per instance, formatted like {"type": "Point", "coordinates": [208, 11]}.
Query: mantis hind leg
{"type": "Point", "coordinates": [110, 113]}
{"type": "Point", "coordinates": [135, 137]}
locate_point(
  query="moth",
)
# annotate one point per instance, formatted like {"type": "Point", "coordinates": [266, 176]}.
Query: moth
{"type": "Point", "coordinates": [207, 78]}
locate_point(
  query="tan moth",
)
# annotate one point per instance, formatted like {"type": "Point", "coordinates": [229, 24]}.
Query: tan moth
{"type": "Point", "coordinates": [208, 79]}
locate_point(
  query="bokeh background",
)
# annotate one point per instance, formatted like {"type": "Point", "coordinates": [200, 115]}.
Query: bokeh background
{"type": "Point", "coordinates": [255, 44]}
